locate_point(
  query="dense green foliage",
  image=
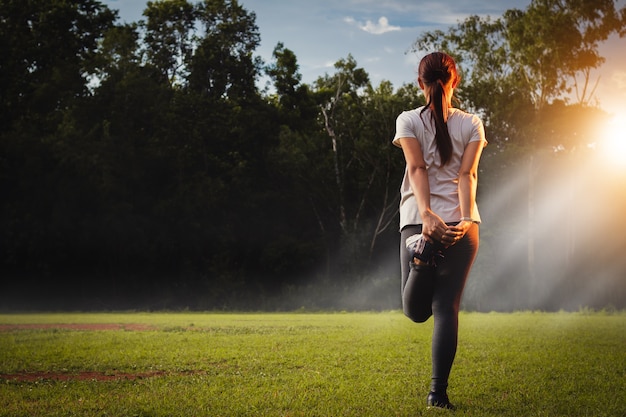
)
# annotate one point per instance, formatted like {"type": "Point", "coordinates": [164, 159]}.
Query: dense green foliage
{"type": "Point", "coordinates": [355, 364]}
{"type": "Point", "coordinates": [141, 166]}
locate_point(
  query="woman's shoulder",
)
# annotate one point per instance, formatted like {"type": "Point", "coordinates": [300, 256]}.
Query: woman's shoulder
{"type": "Point", "coordinates": [461, 113]}
{"type": "Point", "coordinates": [411, 116]}
{"type": "Point", "coordinates": [412, 113]}
{"type": "Point", "coordinates": [462, 117]}
{"type": "Point", "coordinates": [468, 124]}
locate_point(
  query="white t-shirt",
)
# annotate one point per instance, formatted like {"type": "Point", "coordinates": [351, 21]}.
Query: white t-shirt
{"type": "Point", "coordinates": [444, 194]}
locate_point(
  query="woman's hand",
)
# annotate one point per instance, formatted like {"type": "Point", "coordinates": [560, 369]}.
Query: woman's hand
{"type": "Point", "coordinates": [433, 227]}
{"type": "Point", "coordinates": [455, 233]}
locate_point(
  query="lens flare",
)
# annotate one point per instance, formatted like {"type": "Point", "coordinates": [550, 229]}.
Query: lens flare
{"type": "Point", "coordinates": [612, 144]}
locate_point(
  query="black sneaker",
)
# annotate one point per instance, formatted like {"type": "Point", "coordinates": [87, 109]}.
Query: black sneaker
{"type": "Point", "coordinates": [439, 400]}
{"type": "Point", "coordinates": [423, 251]}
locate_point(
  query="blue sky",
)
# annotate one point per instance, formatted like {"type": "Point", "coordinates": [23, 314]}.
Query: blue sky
{"type": "Point", "coordinates": [378, 34]}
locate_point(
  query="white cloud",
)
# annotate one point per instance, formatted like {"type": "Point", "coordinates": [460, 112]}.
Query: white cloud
{"type": "Point", "coordinates": [382, 26]}
{"type": "Point", "coordinates": [324, 65]}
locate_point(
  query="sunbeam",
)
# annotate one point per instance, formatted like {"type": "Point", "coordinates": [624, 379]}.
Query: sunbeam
{"type": "Point", "coordinates": [551, 236]}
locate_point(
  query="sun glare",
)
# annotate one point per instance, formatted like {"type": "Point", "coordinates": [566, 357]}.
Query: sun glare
{"type": "Point", "coordinates": [613, 143]}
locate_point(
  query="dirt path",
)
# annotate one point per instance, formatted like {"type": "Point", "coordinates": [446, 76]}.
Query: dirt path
{"type": "Point", "coordinates": [136, 327]}
{"type": "Point", "coordinates": [84, 375]}
{"type": "Point", "coordinates": [77, 376]}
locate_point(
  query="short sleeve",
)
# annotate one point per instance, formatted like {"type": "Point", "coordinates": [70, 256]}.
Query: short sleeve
{"type": "Point", "coordinates": [477, 131]}
{"type": "Point", "coordinates": [405, 128]}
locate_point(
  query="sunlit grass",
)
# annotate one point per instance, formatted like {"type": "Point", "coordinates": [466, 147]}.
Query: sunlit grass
{"type": "Point", "coordinates": [338, 364]}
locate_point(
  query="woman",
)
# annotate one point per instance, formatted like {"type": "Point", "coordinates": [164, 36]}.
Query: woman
{"type": "Point", "coordinates": [438, 213]}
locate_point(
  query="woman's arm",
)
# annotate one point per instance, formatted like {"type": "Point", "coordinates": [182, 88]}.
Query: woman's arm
{"type": "Point", "coordinates": [468, 177]}
{"type": "Point", "coordinates": [468, 181]}
{"type": "Point", "coordinates": [433, 226]}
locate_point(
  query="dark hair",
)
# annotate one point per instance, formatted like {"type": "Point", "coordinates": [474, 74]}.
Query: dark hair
{"type": "Point", "coordinates": [436, 70]}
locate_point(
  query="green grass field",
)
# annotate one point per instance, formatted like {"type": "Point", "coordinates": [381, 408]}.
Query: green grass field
{"type": "Point", "coordinates": [300, 364]}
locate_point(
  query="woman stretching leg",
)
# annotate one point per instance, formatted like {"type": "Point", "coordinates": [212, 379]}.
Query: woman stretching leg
{"type": "Point", "coordinates": [438, 213]}
{"type": "Point", "coordinates": [436, 290]}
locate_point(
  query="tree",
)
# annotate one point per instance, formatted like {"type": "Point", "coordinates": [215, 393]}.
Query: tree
{"type": "Point", "coordinates": [355, 184]}
{"type": "Point", "coordinates": [169, 37]}
{"type": "Point", "coordinates": [223, 64]}
{"type": "Point", "coordinates": [49, 56]}
{"type": "Point", "coordinates": [119, 51]}
{"type": "Point", "coordinates": [516, 65]}
{"type": "Point", "coordinates": [555, 41]}
{"type": "Point", "coordinates": [49, 50]}
{"type": "Point", "coordinates": [340, 105]}
{"type": "Point", "coordinates": [383, 162]}
{"type": "Point", "coordinates": [292, 99]}
{"type": "Point", "coordinates": [284, 72]}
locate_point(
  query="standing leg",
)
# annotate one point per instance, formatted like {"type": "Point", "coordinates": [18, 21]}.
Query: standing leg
{"type": "Point", "coordinates": [451, 275]}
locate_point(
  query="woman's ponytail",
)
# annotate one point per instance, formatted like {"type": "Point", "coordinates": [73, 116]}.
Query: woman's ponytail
{"type": "Point", "coordinates": [436, 70]}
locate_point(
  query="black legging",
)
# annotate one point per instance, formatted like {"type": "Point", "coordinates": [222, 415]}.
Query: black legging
{"type": "Point", "coordinates": [437, 291]}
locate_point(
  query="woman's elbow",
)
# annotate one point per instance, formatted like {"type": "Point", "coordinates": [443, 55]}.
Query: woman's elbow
{"type": "Point", "coordinates": [417, 169]}
{"type": "Point", "coordinates": [469, 175]}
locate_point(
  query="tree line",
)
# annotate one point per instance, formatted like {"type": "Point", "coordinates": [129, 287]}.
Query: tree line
{"type": "Point", "coordinates": [142, 166]}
